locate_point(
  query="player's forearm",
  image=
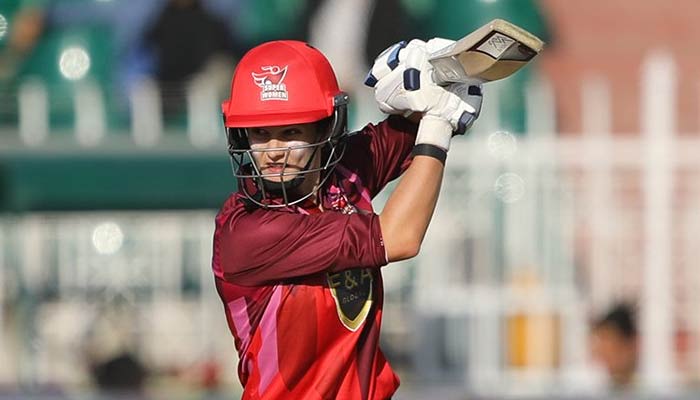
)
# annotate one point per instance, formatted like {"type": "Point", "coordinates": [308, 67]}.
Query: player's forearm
{"type": "Point", "coordinates": [408, 211]}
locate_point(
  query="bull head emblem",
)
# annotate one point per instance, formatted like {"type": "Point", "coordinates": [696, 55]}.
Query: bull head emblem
{"type": "Point", "coordinates": [272, 75]}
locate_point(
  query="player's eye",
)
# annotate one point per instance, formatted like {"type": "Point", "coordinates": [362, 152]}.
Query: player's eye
{"type": "Point", "coordinates": [258, 134]}
{"type": "Point", "coordinates": [292, 132]}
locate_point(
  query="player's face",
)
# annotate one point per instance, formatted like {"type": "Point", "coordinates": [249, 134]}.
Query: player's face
{"type": "Point", "coordinates": [280, 152]}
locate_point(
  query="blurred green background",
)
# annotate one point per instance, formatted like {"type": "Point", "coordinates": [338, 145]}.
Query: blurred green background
{"type": "Point", "coordinates": [568, 214]}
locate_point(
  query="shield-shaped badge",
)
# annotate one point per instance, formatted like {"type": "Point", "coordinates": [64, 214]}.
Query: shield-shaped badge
{"type": "Point", "coordinates": [352, 292]}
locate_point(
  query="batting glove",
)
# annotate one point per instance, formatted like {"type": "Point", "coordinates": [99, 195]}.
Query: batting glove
{"type": "Point", "coordinates": [403, 83]}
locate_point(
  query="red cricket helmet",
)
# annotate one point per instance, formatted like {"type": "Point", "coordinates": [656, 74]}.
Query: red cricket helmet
{"type": "Point", "coordinates": [279, 83]}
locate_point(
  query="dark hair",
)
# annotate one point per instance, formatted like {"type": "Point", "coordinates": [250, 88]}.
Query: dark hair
{"type": "Point", "coordinates": [323, 127]}
{"type": "Point", "coordinates": [621, 317]}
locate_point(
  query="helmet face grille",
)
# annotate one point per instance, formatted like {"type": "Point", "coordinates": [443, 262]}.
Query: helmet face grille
{"type": "Point", "coordinates": [271, 194]}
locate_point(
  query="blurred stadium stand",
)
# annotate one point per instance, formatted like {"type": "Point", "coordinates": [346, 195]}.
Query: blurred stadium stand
{"type": "Point", "coordinates": [107, 204]}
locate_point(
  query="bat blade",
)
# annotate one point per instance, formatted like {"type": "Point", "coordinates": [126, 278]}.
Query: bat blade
{"type": "Point", "coordinates": [492, 52]}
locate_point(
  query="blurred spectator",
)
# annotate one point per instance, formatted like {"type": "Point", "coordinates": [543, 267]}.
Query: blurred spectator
{"type": "Point", "coordinates": [23, 25]}
{"type": "Point", "coordinates": [184, 39]}
{"type": "Point", "coordinates": [27, 26]}
{"type": "Point", "coordinates": [614, 344]}
{"type": "Point", "coordinates": [263, 20]}
{"type": "Point", "coordinates": [121, 54]}
{"type": "Point", "coordinates": [381, 34]}
{"type": "Point", "coordinates": [38, 37]}
{"type": "Point", "coordinates": [122, 375]}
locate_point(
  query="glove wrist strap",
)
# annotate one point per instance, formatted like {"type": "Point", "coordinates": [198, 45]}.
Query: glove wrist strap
{"type": "Point", "coordinates": [430, 151]}
{"type": "Point", "coordinates": [435, 131]}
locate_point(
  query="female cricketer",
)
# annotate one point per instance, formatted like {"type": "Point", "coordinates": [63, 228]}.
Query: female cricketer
{"type": "Point", "coordinates": [298, 249]}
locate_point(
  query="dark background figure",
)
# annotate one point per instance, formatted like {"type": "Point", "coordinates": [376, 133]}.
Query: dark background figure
{"type": "Point", "coordinates": [184, 39]}
{"type": "Point", "coordinates": [260, 21]}
{"type": "Point", "coordinates": [615, 344]}
{"type": "Point", "coordinates": [381, 33]}
{"type": "Point", "coordinates": [121, 375]}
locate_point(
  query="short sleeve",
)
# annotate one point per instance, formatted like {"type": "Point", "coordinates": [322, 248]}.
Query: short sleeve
{"type": "Point", "coordinates": [261, 246]}
{"type": "Point", "coordinates": [381, 153]}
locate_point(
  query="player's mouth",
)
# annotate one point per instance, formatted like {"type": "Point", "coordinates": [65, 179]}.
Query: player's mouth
{"type": "Point", "coordinates": [277, 168]}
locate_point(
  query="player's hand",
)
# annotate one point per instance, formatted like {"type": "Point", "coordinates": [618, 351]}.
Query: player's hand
{"type": "Point", "coordinates": [453, 114]}
{"type": "Point", "coordinates": [395, 56]}
{"type": "Point", "coordinates": [471, 97]}
{"type": "Point", "coordinates": [396, 68]}
{"type": "Point", "coordinates": [403, 82]}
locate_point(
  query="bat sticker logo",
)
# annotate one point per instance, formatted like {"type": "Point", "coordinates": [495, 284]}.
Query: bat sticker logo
{"type": "Point", "coordinates": [271, 83]}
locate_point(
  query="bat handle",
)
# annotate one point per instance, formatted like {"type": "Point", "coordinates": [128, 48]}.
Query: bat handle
{"type": "Point", "coordinates": [448, 70]}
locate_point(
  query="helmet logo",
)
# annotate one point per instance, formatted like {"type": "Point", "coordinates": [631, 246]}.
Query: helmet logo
{"type": "Point", "coordinates": [271, 82]}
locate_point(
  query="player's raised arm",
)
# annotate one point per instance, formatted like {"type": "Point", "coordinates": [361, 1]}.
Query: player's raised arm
{"type": "Point", "coordinates": [298, 248]}
{"type": "Point", "coordinates": [403, 82]}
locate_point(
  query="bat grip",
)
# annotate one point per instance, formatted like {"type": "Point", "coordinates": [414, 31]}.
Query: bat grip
{"type": "Point", "coordinates": [447, 70]}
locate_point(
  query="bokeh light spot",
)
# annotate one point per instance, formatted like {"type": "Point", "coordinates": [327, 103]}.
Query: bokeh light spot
{"type": "Point", "coordinates": [509, 187]}
{"type": "Point", "coordinates": [74, 63]}
{"type": "Point", "coordinates": [502, 144]}
{"type": "Point", "coordinates": [107, 238]}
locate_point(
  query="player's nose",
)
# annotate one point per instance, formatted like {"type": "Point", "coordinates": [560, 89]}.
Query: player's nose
{"type": "Point", "coordinates": [276, 150]}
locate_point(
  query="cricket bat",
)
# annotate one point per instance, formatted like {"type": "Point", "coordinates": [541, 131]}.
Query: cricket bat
{"type": "Point", "coordinates": [492, 52]}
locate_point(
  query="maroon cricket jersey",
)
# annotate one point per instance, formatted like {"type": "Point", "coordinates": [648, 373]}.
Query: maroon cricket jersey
{"type": "Point", "coordinates": [302, 289]}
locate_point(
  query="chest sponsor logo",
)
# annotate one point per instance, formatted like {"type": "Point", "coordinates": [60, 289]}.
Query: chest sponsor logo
{"type": "Point", "coordinates": [352, 292]}
{"type": "Point", "coordinates": [271, 83]}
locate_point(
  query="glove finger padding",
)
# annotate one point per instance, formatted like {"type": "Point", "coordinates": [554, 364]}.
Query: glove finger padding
{"type": "Point", "coordinates": [435, 44]}
{"type": "Point", "coordinates": [387, 90]}
{"type": "Point", "coordinates": [409, 87]}
{"type": "Point", "coordinates": [385, 62]}
{"type": "Point", "coordinates": [389, 59]}
{"type": "Point", "coordinates": [470, 100]}
{"type": "Point", "coordinates": [456, 109]}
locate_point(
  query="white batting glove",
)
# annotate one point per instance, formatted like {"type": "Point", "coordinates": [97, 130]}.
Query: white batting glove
{"type": "Point", "coordinates": [402, 78]}
{"type": "Point", "coordinates": [387, 75]}
{"type": "Point", "coordinates": [395, 55]}
{"type": "Point", "coordinates": [457, 107]}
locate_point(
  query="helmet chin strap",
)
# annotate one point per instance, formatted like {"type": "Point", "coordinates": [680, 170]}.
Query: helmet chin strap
{"type": "Point", "coordinates": [277, 188]}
